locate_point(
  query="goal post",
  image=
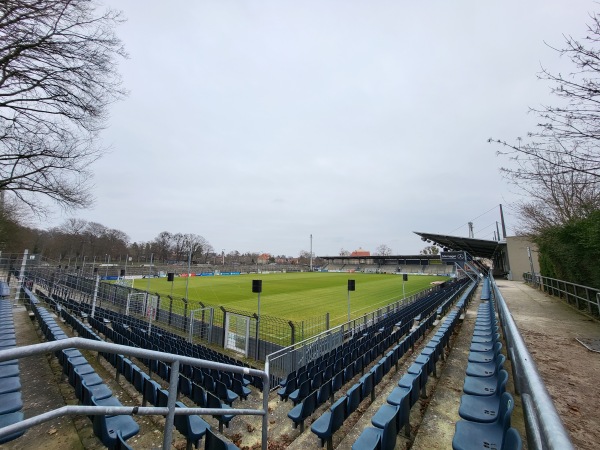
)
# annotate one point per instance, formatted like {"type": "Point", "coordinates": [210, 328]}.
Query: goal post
{"type": "Point", "coordinates": [237, 333]}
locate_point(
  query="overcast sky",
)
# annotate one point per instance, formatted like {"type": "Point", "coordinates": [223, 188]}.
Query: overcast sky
{"type": "Point", "coordinates": [258, 123]}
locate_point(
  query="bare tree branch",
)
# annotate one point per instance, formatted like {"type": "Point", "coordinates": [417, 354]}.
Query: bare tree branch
{"type": "Point", "coordinates": [57, 78]}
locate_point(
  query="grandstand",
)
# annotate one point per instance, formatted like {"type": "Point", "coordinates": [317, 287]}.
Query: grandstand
{"type": "Point", "coordinates": [402, 264]}
{"type": "Point", "coordinates": [367, 384]}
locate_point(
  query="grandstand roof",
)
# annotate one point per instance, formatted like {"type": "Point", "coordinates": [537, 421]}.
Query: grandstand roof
{"type": "Point", "coordinates": [481, 248]}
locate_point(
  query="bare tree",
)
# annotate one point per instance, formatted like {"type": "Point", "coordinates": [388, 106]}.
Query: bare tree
{"type": "Point", "coordinates": [57, 77]}
{"type": "Point", "coordinates": [383, 250]}
{"type": "Point", "coordinates": [430, 250]}
{"type": "Point", "coordinates": [554, 196]}
{"type": "Point", "coordinates": [567, 135]}
{"type": "Point", "coordinates": [344, 252]}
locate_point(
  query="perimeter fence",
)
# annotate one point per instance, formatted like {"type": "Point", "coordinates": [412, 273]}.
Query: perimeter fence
{"type": "Point", "coordinates": [218, 326]}
{"type": "Point", "coordinates": [186, 316]}
{"type": "Point", "coordinates": [584, 298]}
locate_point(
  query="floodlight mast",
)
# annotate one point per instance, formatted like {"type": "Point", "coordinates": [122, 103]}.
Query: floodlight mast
{"type": "Point", "coordinates": [187, 279]}
{"type": "Point", "coordinates": [311, 254]}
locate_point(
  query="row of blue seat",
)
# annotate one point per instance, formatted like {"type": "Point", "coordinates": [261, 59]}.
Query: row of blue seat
{"type": "Point", "coordinates": [485, 406]}
{"type": "Point", "coordinates": [90, 388]}
{"type": "Point", "coordinates": [11, 402]}
{"type": "Point", "coordinates": [381, 335]}
{"type": "Point", "coordinates": [329, 422]}
{"type": "Point", "coordinates": [226, 385]}
{"type": "Point", "coordinates": [192, 427]}
{"type": "Point", "coordinates": [394, 415]}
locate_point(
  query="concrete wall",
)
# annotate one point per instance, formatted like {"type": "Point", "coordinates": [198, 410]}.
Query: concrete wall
{"type": "Point", "coordinates": [518, 259]}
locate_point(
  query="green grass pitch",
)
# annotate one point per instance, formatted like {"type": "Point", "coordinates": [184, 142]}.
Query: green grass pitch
{"type": "Point", "coordinates": [294, 296]}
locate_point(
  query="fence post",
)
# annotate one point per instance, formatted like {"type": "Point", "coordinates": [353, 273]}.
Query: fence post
{"type": "Point", "coordinates": [257, 336]}
{"type": "Point", "coordinates": [224, 324]}
{"type": "Point", "coordinates": [293, 338]}
{"type": "Point", "coordinates": [185, 308]}
{"type": "Point", "coordinates": [170, 309]}
{"type": "Point", "coordinates": [157, 306]}
{"type": "Point", "coordinates": [327, 321]}
{"type": "Point", "coordinates": [587, 296]}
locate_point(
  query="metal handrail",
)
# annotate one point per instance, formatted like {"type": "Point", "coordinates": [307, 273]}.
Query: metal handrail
{"type": "Point", "coordinates": [555, 286]}
{"type": "Point", "coordinates": [170, 410]}
{"type": "Point", "coordinates": [545, 430]}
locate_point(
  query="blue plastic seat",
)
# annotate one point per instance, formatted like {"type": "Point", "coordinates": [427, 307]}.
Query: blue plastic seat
{"type": "Point", "coordinates": [512, 440]}
{"type": "Point", "coordinates": [191, 426]}
{"type": "Point", "coordinates": [184, 386]}
{"type": "Point", "coordinates": [380, 438]}
{"type": "Point", "coordinates": [367, 386]}
{"type": "Point", "coordinates": [10, 370]}
{"type": "Point", "coordinates": [10, 402]}
{"type": "Point", "coordinates": [476, 435]}
{"type": "Point", "coordinates": [300, 394]}
{"type": "Point", "coordinates": [140, 378]}
{"type": "Point", "coordinates": [400, 396]}
{"type": "Point", "coordinates": [10, 384]}
{"type": "Point", "coordinates": [225, 394]}
{"type": "Point", "coordinates": [289, 387]}
{"type": "Point", "coordinates": [198, 395]}
{"type": "Point", "coordinates": [151, 388]}
{"type": "Point", "coordinates": [485, 385]}
{"type": "Point", "coordinates": [10, 419]}
{"type": "Point", "coordinates": [489, 356]}
{"type": "Point", "coordinates": [354, 399]}
{"type": "Point", "coordinates": [240, 389]}
{"type": "Point", "coordinates": [107, 427]}
{"type": "Point", "coordinates": [303, 410]}
{"type": "Point", "coordinates": [483, 408]}
{"type": "Point", "coordinates": [486, 369]}
{"type": "Point", "coordinates": [413, 381]}
{"type": "Point", "coordinates": [337, 381]}
{"type": "Point", "coordinates": [324, 393]}
{"type": "Point", "coordinates": [98, 391]}
{"type": "Point", "coordinates": [329, 422]}
{"type": "Point", "coordinates": [162, 398]}
{"type": "Point", "coordinates": [214, 442]}
{"type": "Point", "coordinates": [121, 443]}
{"type": "Point", "coordinates": [212, 401]}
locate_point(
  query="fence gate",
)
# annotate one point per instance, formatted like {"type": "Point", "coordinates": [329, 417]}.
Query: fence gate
{"type": "Point", "coordinates": [237, 333]}
{"type": "Point", "coordinates": [151, 307]}
{"type": "Point", "coordinates": [201, 322]}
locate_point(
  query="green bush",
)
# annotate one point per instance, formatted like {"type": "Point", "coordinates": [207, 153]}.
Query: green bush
{"type": "Point", "coordinates": [572, 252]}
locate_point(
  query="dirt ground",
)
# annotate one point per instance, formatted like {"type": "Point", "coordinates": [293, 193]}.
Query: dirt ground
{"type": "Point", "coordinates": [570, 371]}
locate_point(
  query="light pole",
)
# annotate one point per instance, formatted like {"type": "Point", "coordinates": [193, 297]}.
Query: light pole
{"type": "Point", "coordinates": [223, 254]}
{"type": "Point", "coordinates": [351, 287]}
{"type": "Point", "coordinates": [257, 289]}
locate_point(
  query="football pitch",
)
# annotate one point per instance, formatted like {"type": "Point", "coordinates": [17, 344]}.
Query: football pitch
{"type": "Point", "coordinates": [293, 296]}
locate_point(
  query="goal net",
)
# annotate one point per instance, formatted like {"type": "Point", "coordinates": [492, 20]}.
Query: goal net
{"type": "Point", "coordinates": [142, 304]}
{"type": "Point", "coordinates": [136, 303]}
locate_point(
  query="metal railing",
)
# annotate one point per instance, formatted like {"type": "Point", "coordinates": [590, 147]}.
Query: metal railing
{"type": "Point", "coordinates": [545, 430]}
{"type": "Point", "coordinates": [284, 360]}
{"type": "Point", "coordinates": [583, 297]}
{"type": "Point", "coordinates": [169, 411]}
